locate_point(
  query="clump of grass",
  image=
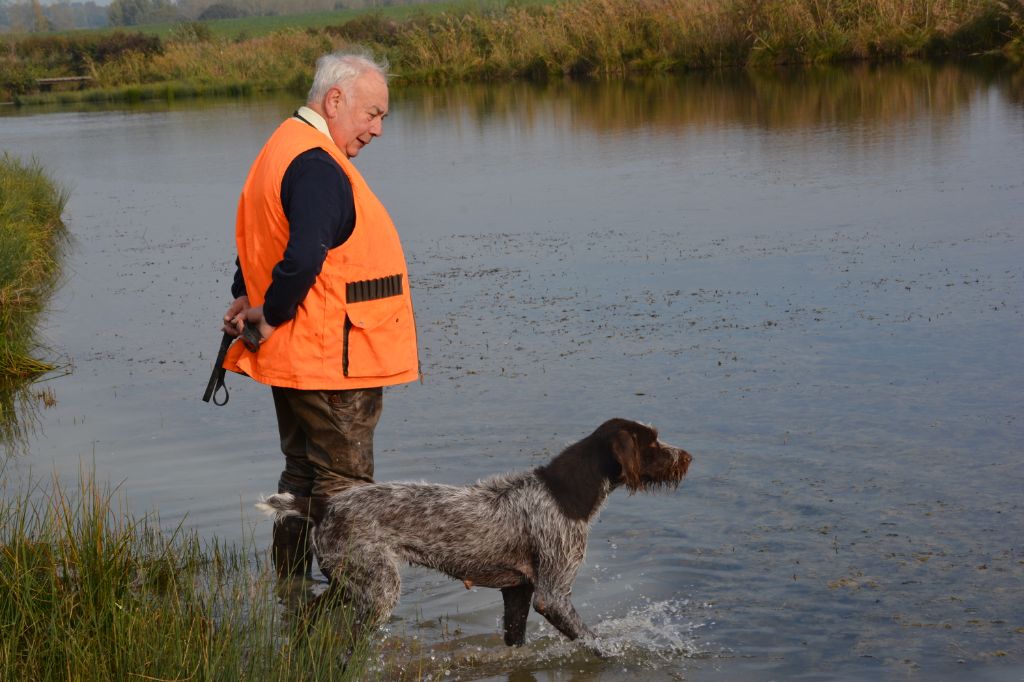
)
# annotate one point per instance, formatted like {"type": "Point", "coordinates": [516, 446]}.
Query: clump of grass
{"type": "Point", "coordinates": [1014, 48]}
{"type": "Point", "coordinates": [89, 593]}
{"type": "Point", "coordinates": [32, 240]}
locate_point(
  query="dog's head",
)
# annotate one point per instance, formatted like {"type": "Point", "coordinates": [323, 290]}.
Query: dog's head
{"type": "Point", "coordinates": [619, 452]}
{"type": "Point", "coordinates": [645, 461]}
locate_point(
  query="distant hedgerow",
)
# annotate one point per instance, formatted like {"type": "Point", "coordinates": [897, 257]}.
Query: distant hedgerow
{"type": "Point", "coordinates": [73, 53]}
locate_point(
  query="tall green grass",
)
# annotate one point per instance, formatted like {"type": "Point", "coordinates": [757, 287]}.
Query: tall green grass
{"type": "Point", "coordinates": [87, 592]}
{"type": "Point", "coordinates": [32, 240]}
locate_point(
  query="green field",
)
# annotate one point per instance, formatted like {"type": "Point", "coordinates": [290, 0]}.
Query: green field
{"type": "Point", "coordinates": [251, 27]}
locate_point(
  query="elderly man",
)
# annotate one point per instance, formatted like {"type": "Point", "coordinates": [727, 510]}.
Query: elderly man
{"type": "Point", "coordinates": [322, 276]}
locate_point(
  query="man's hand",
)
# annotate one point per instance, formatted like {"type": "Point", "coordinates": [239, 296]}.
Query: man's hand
{"type": "Point", "coordinates": [234, 318]}
{"type": "Point", "coordinates": [255, 316]}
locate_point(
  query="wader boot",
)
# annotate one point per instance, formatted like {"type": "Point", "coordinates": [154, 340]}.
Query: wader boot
{"type": "Point", "coordinates": [292, 550]}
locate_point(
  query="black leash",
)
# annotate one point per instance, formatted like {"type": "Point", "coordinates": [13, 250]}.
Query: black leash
{"type": "Point", "coordinates": [216, 382]}
{"type": "Point", "coordinates": [251, 338]}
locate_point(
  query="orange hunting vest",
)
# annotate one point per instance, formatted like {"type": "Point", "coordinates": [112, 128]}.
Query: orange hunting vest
{"type": "Point", "coordinates": [355, 328]}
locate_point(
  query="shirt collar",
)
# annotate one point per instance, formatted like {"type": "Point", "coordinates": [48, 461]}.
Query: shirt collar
{"type": "Point", "coordinates": [315, 120]}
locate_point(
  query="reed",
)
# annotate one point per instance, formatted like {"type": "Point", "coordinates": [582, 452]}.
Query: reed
{"type": "Point", "coordinates": [577, 38]}
{"type": "Point", "coordinates": [618, 37]}
{"type": "Point", "coordinates": [32, 239]}
{"type": "Point", "coordinates": [87, 592]}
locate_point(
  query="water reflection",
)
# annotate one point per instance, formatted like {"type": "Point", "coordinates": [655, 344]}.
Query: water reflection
{"type": "Point", "coordinates": [17, 416]}
{"type": "Point", "coordinates": [772, 100]}
{"type": "Point", "coordinates": [713, 153]}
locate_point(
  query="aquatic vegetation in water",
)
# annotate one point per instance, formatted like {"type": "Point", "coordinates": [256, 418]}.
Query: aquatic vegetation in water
{"type": "Point", "coordinates": [32, 240]}
{"type": "Point", "coordinates": [88, 592]}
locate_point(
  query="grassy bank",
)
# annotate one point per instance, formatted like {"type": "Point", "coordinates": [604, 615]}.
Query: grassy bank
{"type": "Point", "coordinates": [89, 593]}
{"type": "Point", "coordinates": [619, 37]}
{"type": "Point", "coordinates": [579, 38]}
{"type": "Point", "coordinates": [32, 238]}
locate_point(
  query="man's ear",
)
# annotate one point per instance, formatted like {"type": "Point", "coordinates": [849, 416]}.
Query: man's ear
{"type": "Point", "coordinates": [334, 101]}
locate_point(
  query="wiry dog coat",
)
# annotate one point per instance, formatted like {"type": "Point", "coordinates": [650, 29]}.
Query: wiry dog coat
{"type": "Point", "coordinates": [524, 533]}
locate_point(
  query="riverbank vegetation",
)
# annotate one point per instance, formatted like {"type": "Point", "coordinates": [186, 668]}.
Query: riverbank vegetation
{"type": "Point", "coordinates": [89, 593]}
{"type": "Point", "coordinates": [32, 239]}
{"type": "Point", "coordinates": [575, 38]}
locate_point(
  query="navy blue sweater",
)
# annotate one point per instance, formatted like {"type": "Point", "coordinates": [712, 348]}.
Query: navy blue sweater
{"type": "Point", "coordinates": [317, 200]}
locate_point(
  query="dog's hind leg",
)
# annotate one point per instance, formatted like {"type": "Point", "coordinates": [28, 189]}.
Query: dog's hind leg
{"type": "Point", "coordinates": [517, 608]}
{"type": "Point", "coordinates": [364, 589]}
{"type": "Point", "coordinates": [371, 581]}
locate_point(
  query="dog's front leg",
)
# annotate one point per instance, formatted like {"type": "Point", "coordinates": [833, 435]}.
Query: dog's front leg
{"type": "Point", "coordinates": [517, 608]}
{"type": "Point", "coordinates": [560, 612]}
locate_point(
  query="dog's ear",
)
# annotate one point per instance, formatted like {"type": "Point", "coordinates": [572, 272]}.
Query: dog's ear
{"type": "Point", "coordinates": [627, 454]}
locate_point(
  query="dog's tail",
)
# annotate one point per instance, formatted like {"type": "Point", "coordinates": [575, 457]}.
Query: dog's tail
{"type": "Point", "coordinates": [283, 505]}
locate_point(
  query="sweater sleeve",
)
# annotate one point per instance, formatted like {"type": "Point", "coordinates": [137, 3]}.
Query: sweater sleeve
{"type": "Point", "coordinates": [317, 200]}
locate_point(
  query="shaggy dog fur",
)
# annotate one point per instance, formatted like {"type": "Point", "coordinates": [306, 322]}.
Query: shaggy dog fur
{"type": "Point", "coordinates": [524, 533]}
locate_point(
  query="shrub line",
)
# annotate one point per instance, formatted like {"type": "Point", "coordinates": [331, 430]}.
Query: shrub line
{"type": "Point", "coordinates": [571, 38]}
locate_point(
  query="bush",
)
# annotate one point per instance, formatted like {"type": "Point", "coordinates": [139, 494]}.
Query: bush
{"type": "Point", "coordinates": [369, 28]}
{"type": "Point", "coordinates": [73, 53]}
{"type": "Point", "coordinates": [980, 34]}
{"type": "Point", "coordinates": [15, 79]}
{"type": "Point", "coordinates": [191, 32]}
{"type": "Point", "coordinates": [220, 10]}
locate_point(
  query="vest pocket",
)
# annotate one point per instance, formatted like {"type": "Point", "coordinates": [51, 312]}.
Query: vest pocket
{"type": "Point", "coordinates": [380, 338]}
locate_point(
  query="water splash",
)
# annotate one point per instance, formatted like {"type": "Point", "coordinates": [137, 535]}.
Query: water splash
{"type": "Point", "coordinates": [653, 632]}
{"type": "Point", "coordinates": [652, 635]}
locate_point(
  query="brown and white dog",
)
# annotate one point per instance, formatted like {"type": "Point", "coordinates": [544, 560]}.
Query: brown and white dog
{"type": "Point", "coordinates": [524, 533]}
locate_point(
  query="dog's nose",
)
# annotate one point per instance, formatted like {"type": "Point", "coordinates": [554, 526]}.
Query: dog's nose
{"type": "Point", "coordinates": [686, 458]}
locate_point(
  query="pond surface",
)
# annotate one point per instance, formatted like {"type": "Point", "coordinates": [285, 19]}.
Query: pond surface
{"type": "Point", "coordinates": [811, 281]}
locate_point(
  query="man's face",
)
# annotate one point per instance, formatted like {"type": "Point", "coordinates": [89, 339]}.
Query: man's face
{"type": "Point", "coordinates": [355, 119]}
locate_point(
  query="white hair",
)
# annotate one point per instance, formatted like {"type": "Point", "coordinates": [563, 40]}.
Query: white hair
{"type": "Point", "coordinates": [342, 69]}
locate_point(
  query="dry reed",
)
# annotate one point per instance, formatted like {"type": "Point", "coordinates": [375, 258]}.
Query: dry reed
{"type": "Point", "coordinates": [581, 38]}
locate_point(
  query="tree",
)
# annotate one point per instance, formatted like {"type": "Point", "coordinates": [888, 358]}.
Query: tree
{"type": "Point", "coordinates": [220, 10]}
{"type": "Point", "coordinates": [127, 12]}
{"type": "Point", "coordinates": [135, 12]}
{"type": "Point", "coordinates": [40, 22]}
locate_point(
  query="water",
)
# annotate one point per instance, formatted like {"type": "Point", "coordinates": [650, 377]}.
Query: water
{"type": "Point", "coordinates": [811, 281]}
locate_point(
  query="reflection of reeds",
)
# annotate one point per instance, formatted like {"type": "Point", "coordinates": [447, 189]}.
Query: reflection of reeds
{"type": "Point", "coordinates": [875, 98]}
{"type": "Point", "coordinates": [88, 593]}
{"type": "Point", "coordinates": [32, 237]}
